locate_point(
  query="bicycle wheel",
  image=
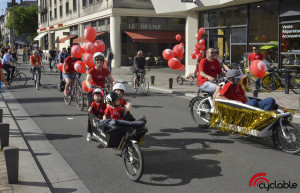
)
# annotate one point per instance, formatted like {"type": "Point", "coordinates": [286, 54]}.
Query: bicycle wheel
{"type": "Point", "coordinates": [68, 97]}
{"type": "Point", "coordinates": [79, 97]}
{"type": "Point", "coordinates": [295, 84]}
{"type": "Point", "coordinates": [133, 161]}
{"type": "Point", "coordinates": [270, 82]}
{"type": "Point", "coordinates": [248, 84]}
{"type": "Point", "coordinates": [179, 80]}
{"type": "Point", "coordinates": [200, 110]}
{"type": "Point", "coordinates": [20, 78]}
{"type": "Point", "coordinates": [144, 86]}
{"type": "Point", "coordinates": [290, 143]}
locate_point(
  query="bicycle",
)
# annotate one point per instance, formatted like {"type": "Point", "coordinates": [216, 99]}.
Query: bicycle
{"type": "Point", "coordinates": [36, 77]}
{"type": "Point", "coordinates": [276, 79]}
{"type": "Point", "coordinates": [142, 83]}
{"type": "Point", "coordinates": [19, 77]}
{"type": "Point", "coordinates": [248, 84]}
{"type": "Point", "coordinates": [75, 90]}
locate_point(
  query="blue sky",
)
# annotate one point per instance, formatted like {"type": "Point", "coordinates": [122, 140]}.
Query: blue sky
{"type": "Point", "coordinates": [3, 5]}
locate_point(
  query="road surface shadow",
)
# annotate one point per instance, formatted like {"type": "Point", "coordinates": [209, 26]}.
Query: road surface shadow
{"type": "Point", "coordinates": [36, 100]}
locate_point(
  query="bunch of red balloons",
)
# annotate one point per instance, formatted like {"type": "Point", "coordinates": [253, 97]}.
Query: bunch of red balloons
{"type": "Point", "coordinates": [174, 56]}
{"type": "Point", "coordinates": [199, 50]}
{"type": "Point", "coordinates": [87, 50]}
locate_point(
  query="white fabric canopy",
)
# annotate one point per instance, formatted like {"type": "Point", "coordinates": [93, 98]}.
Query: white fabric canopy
{"type": "Point", "coordinates": [37, 38]}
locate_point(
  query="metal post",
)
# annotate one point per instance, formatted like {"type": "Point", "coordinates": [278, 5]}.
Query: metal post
{"type": "Point", "coordinates": [1, 115]}
{"type": "Point", "coordinates": [13, 42]}
{"type": "Point", "coordinates": [286, 77]}
{"type": "Point", "coordinates": [152, 80]}
{"type": "Point", "coordinates": [12, 163]}
{"type": "Point", "coordinates": [4, 134]}
{"type": "Point", "coordinates": [170, 83]}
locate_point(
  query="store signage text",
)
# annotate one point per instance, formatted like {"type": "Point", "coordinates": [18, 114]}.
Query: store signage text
{"type": "Point", "coordinates": [288, 31]}
{"type": "Point", "coordinates": [145, 26]}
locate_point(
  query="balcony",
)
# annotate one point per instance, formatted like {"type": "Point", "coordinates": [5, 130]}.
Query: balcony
{"type": "Point", "coordinates": [42, 9]}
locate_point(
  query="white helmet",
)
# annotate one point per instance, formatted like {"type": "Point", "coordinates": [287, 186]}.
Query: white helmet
{"type": "Point", "coordinates": [98, 54]}
{"type": "Point", "coordinates": [119, 86]}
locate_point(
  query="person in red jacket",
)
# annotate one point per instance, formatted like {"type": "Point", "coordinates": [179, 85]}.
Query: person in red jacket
{"type": "Point", "coordinates": [255, 56]}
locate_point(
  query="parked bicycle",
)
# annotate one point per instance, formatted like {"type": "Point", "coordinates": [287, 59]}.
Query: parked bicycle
{"type": "Point", "coordinates": [18, 77]}
{"type": "Point", "coordinates": [276, 79]}
{"type": "Point", "coordinates": [75, 91]}
{"type": "Point", "coordinates": [141, 83]}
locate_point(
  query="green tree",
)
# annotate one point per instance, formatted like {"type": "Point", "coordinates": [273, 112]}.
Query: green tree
{"type": "Point", "coordinates": [26, 20]}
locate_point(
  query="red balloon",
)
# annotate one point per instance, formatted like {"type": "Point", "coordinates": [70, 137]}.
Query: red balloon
{"type": "Point", "coordinates": [258, 68]}
{"type": "Point", "coordinates": [99, 46]}
{"type": "Point", "coordinates": [178, 37]}
{"type": "Point", "coordinates": [88, 60]}
{"type": "Point", "coordinates": [83, 47]}
{"type": "Point", "coordinates": [76, 51]}
{"type": "Point", "coordinates": [201, 52]}
{"type": "Point", "coordinates": [89, 47]}
{"type": "Point", "coordinates": [201, 30]}
{"type": "Point", "coordinates": [197, 46]}
{"type": "Point", "coordinates": [60, 66]}
{"type": "Point", "coordinates": [182, 44]}
{"type": "Point", "coordinates": [199, 56]}
{"type": "Point", "coordinates": [178, 50]}
{"type": "Point", "coordinates": [84, 87]}
{"type": "Point", "coordinates": [193, 56]}
{"type": "Point", "coordinates": [168, 54]}
{"type": "Point", "coordinates": [198, 36]}
{"type": "Point", "coordinates": [90, 34]}
{"type": "Point", "coordinates": [202, 41]}
{"type": "Point", "coordinates": [197, 51]}
{"type": "Point", "coordinates": [180, 57]}
{"type": "Point", "coordinates": [174, 63]}
{"type": "Point", "coordinates": [202, 47]}
{"type": "Point", "coordinates": [80, 67]}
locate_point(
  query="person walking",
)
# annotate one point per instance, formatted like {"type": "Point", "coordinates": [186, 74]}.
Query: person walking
{"type": "Point", "coordinates": [255, 56]}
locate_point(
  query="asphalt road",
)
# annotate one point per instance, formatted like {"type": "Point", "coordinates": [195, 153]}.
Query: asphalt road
{"type": "Point", "coordinates": [179, 156]}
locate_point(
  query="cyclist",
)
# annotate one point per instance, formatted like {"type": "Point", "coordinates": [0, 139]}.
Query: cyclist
{"type": "Point", "coordinates": [2, 76]}
{"type": "Point", "coordinates": [234, 91]}
{"type": "Point", "coordinates": [35, 62]}
{"type": "Point", "coordinates": [96, 110]}
{"type": "Point", "coordinates": [96, 76]}
{"type": "Point", "coordinates": [139, 64]}
{"type": "Point", "coordinates": [69, 74]}
{"type": "Point", "coordinates": [7, 65]}
{"type": "Point", "coordinates": [52, 58]}
{"type": "Point", "coordinates": [24, 54]}
{"type": "Point", "coordinates": [209, 69]}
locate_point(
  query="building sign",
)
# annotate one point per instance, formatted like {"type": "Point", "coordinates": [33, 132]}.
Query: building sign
{"type": "Point", "coordinates": [290, 31]}
{"type": "Point", "coordinates": [144, 26]}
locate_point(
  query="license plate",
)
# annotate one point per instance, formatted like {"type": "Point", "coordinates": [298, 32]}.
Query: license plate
{"type": "Point", "coordinates": [141, 140]}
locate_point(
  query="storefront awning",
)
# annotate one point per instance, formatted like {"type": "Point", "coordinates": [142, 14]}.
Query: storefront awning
{"type": "Point", "coordinates": [82, 38]}
{"type": "Point", "coordinates": [155, 36]}
{"type": "Point", "coordinates": [62, 40]}
{"type": "Point", "coordinates": [37, 38]}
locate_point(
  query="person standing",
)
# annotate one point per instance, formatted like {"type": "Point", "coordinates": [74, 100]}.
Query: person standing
{"type": "Point", "coordinates": [255, 56]}
{"type": "Point", "coordinates": [52, 58]}
{"type": "Point", "coordinates": [109, 58]}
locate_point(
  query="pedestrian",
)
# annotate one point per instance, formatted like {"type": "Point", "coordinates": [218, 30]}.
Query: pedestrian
{"type": "Point", "coordinates": [255, 56]}
{"type": "Point", "coordinates": [52, 58]}
{"type": "Point", "coordinates": [109, 58]}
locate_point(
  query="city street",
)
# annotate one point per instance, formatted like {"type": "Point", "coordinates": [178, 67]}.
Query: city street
{"type": "Point", "coordinates": [179, 156]}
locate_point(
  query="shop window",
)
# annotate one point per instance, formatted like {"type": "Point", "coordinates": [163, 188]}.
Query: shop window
{"type": "Point", "coordinates": [101, 22]}
{"type": "Point", "coordinates": [161, 21]}
{"type": "Point", "coordinates": [94, 24]}
{"type": "Point", "coordinates": [290, 43]}
{"type": "Point", "coordinates": [239, 35]}
{"type": "Point", "coordinates": [216, 18]}
{"type": "Point", "coordinates": [264, 22]}
{"type": "Point", "coordinates": [204, 19]}
{"type": "Point", "coordinates": [235, 16]}
{"type": "Point", "coordinates": [142, 20]}
{"type": "Point", "coordinates": [124, 19]}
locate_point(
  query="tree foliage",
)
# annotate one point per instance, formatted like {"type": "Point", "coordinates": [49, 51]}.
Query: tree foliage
{"type": "Point", "coordinates": [26, 20]}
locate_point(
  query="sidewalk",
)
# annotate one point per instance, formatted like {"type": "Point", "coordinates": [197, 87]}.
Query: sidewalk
{"type": "Point", "coordinates": [30, 176]}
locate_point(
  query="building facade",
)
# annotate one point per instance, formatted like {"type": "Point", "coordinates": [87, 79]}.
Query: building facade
{"type": "Point", "coordinates": [125, 26]}
{"type": "Point", "coordinates": [235, 26]}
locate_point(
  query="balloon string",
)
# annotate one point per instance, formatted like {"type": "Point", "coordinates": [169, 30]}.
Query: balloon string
{"type": "Point", "coordinates": [277, 99]}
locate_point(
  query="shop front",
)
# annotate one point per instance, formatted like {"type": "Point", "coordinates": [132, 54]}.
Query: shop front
{"type": "Point", "coordinates": [151, 35]}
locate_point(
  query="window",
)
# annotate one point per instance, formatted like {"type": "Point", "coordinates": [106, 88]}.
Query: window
{"type": "Point", "coordinates": [67, 8]}
{"type": "Point", "coordinates": [51, 15]}
{"type": "Point", "coordinates": [60, 11]}
{"type": "Point", "coordinates": [290, 41]}
{"type": "Point", "coordinates": [94, 24]}
{"type": "Point", "coordinates": [91, 2]}
{"type": "Point", "coordinates": [54, 2]}
{"type": "Point", "coordinates": [84, 3]}
{"type": "Point", "coordinates": [74, 5]}
{"type": "Point", "coordinates": [50, 3]}
{"type": "Point", "coordinates": [55, 13]}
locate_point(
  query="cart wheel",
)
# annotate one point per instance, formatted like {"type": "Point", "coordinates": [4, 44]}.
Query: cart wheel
{"type": "Point", "coordinates": [179, 80]}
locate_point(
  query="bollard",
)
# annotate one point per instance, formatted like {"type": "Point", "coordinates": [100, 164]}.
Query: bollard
{"type": "Point", "coordinates": [12, 163]}
{"type": "Point", "coordinates": [286, 78]}
{"type": "Point", "coordinates": [170, 83]}
{"type": "Point", "coordinates": [152, 80]}
{"type": "Point", "coordinates": [1, 115]}
{"type": "Point", "coordinates": [4, 134]}
{"type": "Point", "coordinates": [255, 92]}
